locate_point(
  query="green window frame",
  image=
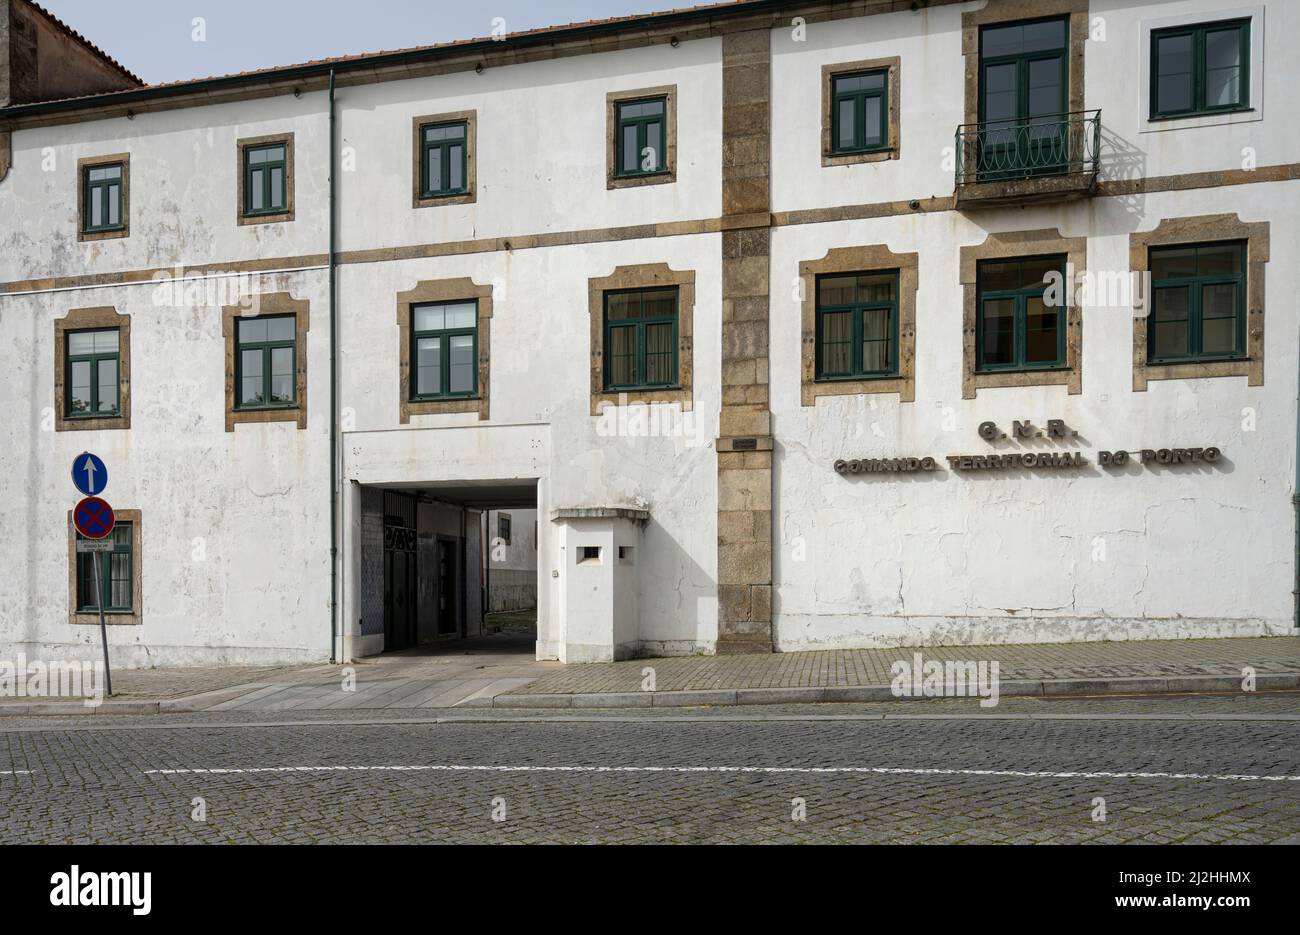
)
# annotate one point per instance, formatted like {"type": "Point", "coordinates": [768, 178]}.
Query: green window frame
{"type": "Point", "coordinates": [1198, 302]}
{"type": "Point", "coordinates": [92, 373]}
{"type": "Point", "coordinates": [1024, 79]}
{"type": "Point", "coordinates": [860, 112]}
{"type": "Point", "coordinates": [266, 179]}
{"type": "Point", "coordinates": [444, 159]}
{"type": "Point", "coordinates": [642, 125]}
{"type": "Point", "coordinates": [857, 325]}
{"type": "Point", "coordinates": [640, 339]}
{"type": "Point", "coordinates": [103, 186]}
{"type": "Point", "coordinates": [116, 588]}
{"type": "Point", "coordinates": [1016, 328]}
{"type": "Point", "coordinates": [1186, 78]}
{"type": "Point", "coordinates": [444, 350]}
{"type": "Point", "coordinates": [266, 362]}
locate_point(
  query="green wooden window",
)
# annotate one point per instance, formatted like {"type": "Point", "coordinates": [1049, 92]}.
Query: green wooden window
{"type": "Point", "coordinates": [1202, 69]}
{"type": "Point", "coordinates": [444, 169]}
{"type": "Point", "coordinates": [857, 325]}
{"type": "Point", "coordinates": [103, 192]}
{"type": "Point", "coordinates": [642, 135]}
{"type": "Point", "coordinates": [641, 339]}
{"type": "Point", "coordinates": [266, 362]}
{"type": "Point", "coordinates": [1023, 80]}
{"type": "Point", "coordinates": [1020, 326]}
{"type": "Point", "coordinates": [92, 360]}
{"type": "Point", "coordinates": [117, 585]}
{"type": "Point", "coordinates": [444, 350]}
{"type": "Point", "coordinates": [1198, 302]}
{"type": "Point", "coordinates": [265, 179]}
{"type": "Point", "coordinates": [860, 112]}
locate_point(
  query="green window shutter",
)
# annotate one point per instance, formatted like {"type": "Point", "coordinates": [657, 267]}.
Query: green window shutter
{"type": "Point", "coordinates": [1023, 98]}
{"type": "Point", "coordinates": [857, 325]}
{"type": "Point", "coordinates": [266, 362]}
{"type": "Point", "coordinates": [641, 339]}
{"type": "Point", "coordinates": [266, 179]}
{"type": "Point", "coordinates": [1200, 69]}
{"type": "Point", "coordinates": [102, 210]}
{"type": "Point", "coordinates": [1198, 303]}
{"type": "Point", "coordinates": [860, 112]}
{"type": "Point", "coordinates": [1020, 318]}
{"type": "Point", "coordinates": [91, 378]}
{"type": "Point", "coordinates": [641, 137]}
{"type": "Point", "coordinates": [117, 574]}
{"type": "Point", "coordinates": [444, 351]}
{"type": "Point", "coordinates": [444, 159]}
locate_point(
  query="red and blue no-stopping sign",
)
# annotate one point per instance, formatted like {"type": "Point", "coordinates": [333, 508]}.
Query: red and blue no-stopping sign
{"type": "Point", "coordinates": [93, 518]}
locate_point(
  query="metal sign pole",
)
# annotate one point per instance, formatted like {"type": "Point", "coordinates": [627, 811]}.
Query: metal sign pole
{"type": "Point", "coordinates": [100, 584]}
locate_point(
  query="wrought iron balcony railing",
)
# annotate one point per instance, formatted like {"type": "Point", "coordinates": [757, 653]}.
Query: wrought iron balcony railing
{"type": "Point", "coordinates": [1009, 150]}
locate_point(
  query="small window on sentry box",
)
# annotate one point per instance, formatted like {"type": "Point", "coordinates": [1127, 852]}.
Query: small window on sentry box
{"type": "Point", "coordinates": [589, 555]}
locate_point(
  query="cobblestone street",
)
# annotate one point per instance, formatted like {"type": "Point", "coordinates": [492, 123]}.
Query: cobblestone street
{"type": "Point", "coordinates": [1172, 770]}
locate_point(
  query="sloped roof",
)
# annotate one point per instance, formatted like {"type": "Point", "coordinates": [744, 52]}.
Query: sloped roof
{"type": "Point", "coordinates": [84, 42]}
{"type": "Point", "coordinates": [323, 64]}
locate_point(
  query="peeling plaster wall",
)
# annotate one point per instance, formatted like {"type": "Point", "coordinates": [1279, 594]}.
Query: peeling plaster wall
{"type": "Point", "coordinates": [184, 190]}
{"type": "Point", "coordinates": [1007, 556]}
{"type": "Point", "coordinates": [234, 554]}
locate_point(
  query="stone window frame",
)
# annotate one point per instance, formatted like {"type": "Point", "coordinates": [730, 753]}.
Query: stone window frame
{"type": "Point", "coordinates": [134, 618]}
{"type": "Point", "coordinates": [91, 162]}
{"type": "Point", "coordinates": [669, 174]}
{"type": "Point", "coordinates": [1011, 245]}
{"type": "Point", "coordinates": [470, 195]}
{"type": "Point", "coordinates": [1206, 228]}
{"type": "Point", "coordinates": [82, 319]}
{"type": "Point", "coordinates": [273, 303]}
{"type": "Point", "coordinates": [279, 217]}
{"type": "Point", "coordinates": [644, 276]}
{"type": "Point", "coordinates": [892, 66]}
{"type": "Point", "coordinates": [444, 290]}
{"type": "Point", "coordinates": [874, 258]}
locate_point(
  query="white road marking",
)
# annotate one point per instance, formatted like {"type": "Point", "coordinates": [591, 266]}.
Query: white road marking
{"type": "Point", "coordinates": [879, 770]}
{"type": "Point", "coordinates": [15, 772]}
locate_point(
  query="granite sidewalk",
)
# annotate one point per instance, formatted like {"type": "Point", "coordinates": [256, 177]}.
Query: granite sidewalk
{"type": "Point", "coordinates": [501, 673]}
{"type": "Point", "coordinates": [864, 675]}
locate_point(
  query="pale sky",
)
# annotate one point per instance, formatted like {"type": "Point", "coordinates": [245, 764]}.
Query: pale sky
{"type": "Point", "coordinates": [153, 38]}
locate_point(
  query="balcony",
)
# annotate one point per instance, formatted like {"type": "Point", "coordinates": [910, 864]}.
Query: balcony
{"type": "Point", "coordinates": [1049, 158]}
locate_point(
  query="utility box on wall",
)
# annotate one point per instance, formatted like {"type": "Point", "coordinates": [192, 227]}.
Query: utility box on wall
{"type": "Point", "coordinates": [597, 582]}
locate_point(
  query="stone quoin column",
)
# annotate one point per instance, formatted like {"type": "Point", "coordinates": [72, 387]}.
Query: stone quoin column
{"type": "Point", "coordinates": [744, 448]}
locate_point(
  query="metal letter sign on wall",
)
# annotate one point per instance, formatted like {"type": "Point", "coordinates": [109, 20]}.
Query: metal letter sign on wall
{"type": "Point", "coordinates": [1055, 429]}
{"type": "Point", "coordinates": [89, 474]}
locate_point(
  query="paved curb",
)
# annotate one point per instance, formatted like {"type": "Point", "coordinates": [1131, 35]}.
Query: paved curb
{"type": "Point", "coordinates": [1011, 688]}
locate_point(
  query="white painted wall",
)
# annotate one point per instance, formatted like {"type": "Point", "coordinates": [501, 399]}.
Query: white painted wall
{"type": "Point", "coordinates": [1004, 557]}
{"type": "Point", "coordinates": [953, 558]}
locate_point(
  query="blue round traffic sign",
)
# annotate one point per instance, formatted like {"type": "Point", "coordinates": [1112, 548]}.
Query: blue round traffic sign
{"type": "Point", "coordinates": [89, 474]}
{"type": "Point", "coordinates": [93, 518]}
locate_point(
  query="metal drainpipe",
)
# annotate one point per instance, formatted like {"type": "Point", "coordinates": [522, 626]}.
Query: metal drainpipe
{"type": "Point", "coordinates": [334, 443]}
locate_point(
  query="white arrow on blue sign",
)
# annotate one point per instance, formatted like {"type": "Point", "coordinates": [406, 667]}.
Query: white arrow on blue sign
{"type": "Point", "coordinates": [89, 474]}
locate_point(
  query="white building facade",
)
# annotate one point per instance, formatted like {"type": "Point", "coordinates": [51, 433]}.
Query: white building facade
{"type": "Point", "coordinates": [800, 326]}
